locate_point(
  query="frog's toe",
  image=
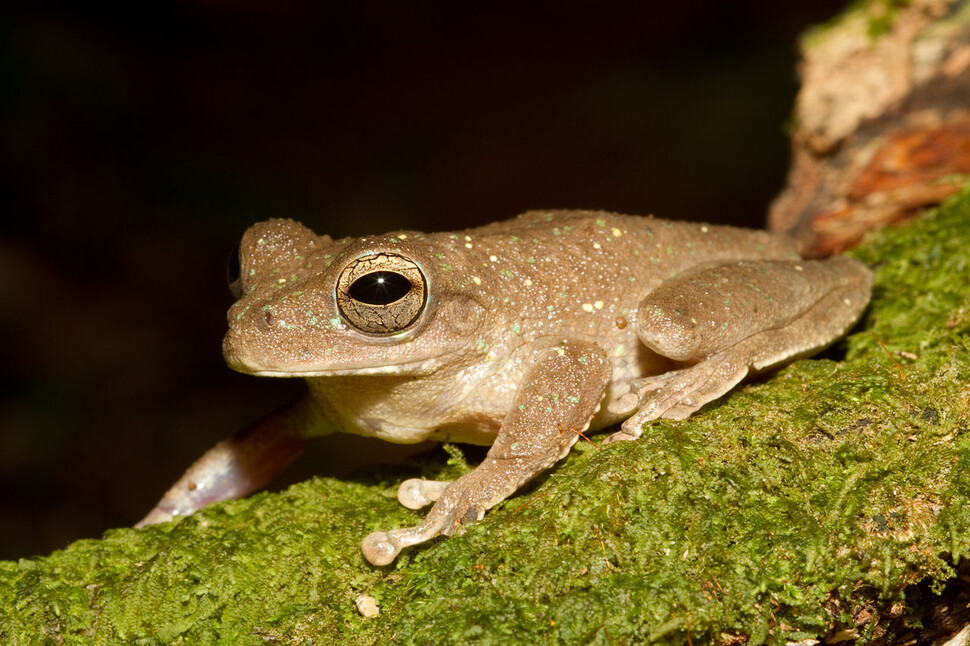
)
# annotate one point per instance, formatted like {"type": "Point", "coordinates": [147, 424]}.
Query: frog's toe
{"type": "Point", "coordinates": [379, 548]}
{"type": "Point", "coordinates": [417, 493]}
{"type": "Point", "coordinates": [646, 385]}
{"type": "Point", "coordinates": [622, 435]}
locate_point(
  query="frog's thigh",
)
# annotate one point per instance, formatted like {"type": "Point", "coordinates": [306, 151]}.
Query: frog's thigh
{"type": "Point", "coordinates": [558, 397]}
{"type": "Point", "coordinates": [727, 320]}
{"type": "Point", "coordinates": [695, 315]}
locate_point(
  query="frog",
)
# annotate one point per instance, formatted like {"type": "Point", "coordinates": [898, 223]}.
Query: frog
{"type": "Point", "coordinates": [522, 335]}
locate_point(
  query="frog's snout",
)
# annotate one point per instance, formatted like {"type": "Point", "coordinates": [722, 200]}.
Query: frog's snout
{"type": "Point", "coordinates": [232, 351]}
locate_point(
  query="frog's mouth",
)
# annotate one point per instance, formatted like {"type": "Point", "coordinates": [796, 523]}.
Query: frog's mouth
{"type": "Point", "coordinates": [413, 368]}
{"type": "Point", "coordinates": [308, 364]}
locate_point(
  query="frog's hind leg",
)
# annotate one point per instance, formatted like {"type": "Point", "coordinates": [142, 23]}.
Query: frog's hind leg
{"type": "Point", "coordinates": [728, 321]}
{"type": "Point", "coordinates": [240, 464]}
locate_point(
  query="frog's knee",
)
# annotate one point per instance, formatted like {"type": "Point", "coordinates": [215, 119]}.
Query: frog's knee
{"type": "Point", "coordinates": [670, 330]}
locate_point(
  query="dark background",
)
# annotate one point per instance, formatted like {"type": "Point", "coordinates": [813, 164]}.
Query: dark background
{"type": "Point", "coordinates": [136, 145]}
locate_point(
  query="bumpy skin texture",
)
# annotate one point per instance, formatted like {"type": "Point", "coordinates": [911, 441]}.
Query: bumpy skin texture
{"type": "Point", "coordinates": [520, 334]}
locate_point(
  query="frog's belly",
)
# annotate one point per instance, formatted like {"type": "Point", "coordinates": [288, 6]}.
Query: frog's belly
{"type": "Point", "coordinates": [477, 419]}
{"type": "Point", "coordinates": [472, 431]}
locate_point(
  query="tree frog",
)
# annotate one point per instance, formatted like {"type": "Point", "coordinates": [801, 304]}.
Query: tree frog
{"type": "Point", "coordinates": [521, 335]}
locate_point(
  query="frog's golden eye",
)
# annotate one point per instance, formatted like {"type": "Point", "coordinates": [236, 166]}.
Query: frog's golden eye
{"type": "Point", "coordinates": [381, 294]}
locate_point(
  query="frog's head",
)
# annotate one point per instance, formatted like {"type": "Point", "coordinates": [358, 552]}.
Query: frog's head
{"type": "Point", "coordinates": [310, 306]}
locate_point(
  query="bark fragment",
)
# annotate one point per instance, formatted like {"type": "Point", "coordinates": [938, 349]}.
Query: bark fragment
{"type": "Point", "coordinates": [882, 122]}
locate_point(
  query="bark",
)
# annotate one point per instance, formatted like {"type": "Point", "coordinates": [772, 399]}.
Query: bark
{"type": "Point", "coordinates": [882, 122]}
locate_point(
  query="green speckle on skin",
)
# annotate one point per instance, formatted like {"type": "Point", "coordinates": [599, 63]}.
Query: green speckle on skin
{"type": "Point", "coordinates": [313, 321]}
{"type": "Point", "coordinates": [516, 328]}
{"type": "Point", "coordinates": [252, 272]}
{"type": "Point", "coordinates": [445, 266]}
{"type": "Point", "coordinates": [505, 273]}
{"type": "Point", "coordinates": [600, 222]}
{"type": "Point", "coordinates": [825, 487]}
{"type": "Point", "coordinates": [334, 322]}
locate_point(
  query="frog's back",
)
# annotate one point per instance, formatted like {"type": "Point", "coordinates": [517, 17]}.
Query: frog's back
{"type": "Point", "coordinates": [649, 246]}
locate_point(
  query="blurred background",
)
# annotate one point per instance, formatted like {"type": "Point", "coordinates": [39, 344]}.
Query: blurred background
{"type": "Point", "coordinates": [136, 144]}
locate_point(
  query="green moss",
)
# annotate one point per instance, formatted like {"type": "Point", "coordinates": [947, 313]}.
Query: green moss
{"type": "Point", "coordinates": [829, 487]}
{"type": "Point", "coordinates": [879, 16]}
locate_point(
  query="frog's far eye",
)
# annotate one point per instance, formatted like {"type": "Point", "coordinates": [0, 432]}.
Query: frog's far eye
{"type": "Point", "coordinates": [233, 274]}
{"type": "Point", "coordinates": [381, 294]}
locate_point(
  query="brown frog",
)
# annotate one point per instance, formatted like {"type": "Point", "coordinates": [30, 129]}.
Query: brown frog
{"type": "Point", "coordinates": [521, 335]}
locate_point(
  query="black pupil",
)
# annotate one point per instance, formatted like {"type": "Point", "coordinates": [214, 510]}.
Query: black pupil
{"type": "Point", "coordinates": [380, 288]}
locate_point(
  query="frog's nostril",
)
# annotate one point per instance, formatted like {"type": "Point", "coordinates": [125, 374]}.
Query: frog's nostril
{"type": "Point", "coordinates": [269, 318]}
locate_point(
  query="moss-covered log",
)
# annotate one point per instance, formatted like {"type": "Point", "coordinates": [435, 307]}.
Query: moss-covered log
{"type": "Point", "coordinates": [806, 504]}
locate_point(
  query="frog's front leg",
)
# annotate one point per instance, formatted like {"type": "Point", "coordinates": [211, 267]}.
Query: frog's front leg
{"type": "Point", "coordinates": [726, 321]}
{"type": "Point", "coordinates": [558, 397]}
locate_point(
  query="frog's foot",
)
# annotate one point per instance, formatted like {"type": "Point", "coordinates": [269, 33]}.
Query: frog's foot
{"type": "Point", "coordinates": [679, 393]}
{"type": "Point", "coordinates": [457, 506]}
{"type": "Point", "coordinates": [417, 493]}
{"type": "Point", "coordinates": [460, 502]}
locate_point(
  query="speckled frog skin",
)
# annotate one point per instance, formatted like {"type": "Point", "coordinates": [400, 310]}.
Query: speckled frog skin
{"type": "Point", "coordinates": [520, 334]}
